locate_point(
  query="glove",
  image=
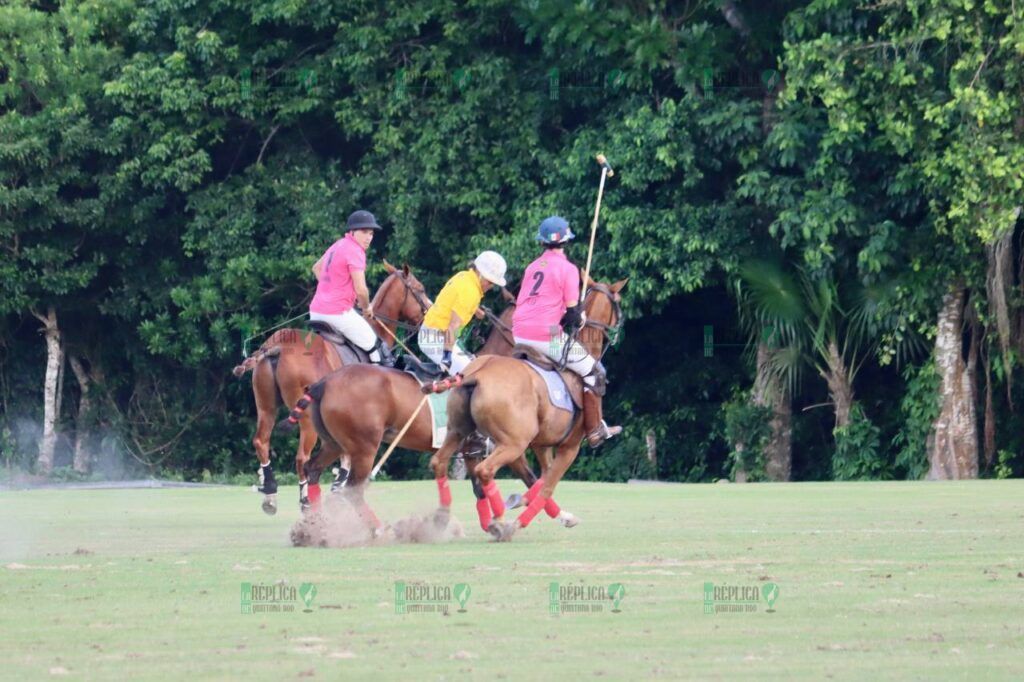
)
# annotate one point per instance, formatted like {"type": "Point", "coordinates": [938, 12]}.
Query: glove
{"type": "Point", "coordinates": [446, 358]}
{"type": "Point", "coordinates": [573, 318]}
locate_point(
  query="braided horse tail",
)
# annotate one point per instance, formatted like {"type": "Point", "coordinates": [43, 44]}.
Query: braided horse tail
{"type": "Point", "coordinates": [253, 360]}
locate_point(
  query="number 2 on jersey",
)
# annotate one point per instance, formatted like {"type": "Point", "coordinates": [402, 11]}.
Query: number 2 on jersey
{"type": "Point", "coordinates": [539, 279]}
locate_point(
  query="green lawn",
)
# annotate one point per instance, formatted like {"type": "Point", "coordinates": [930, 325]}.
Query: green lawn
{"type": "Point", "coordinates": [875, 581]}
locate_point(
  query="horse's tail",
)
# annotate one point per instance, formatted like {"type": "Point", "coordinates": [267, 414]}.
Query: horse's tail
{"type": "Point", "coordinates": [253, 360]}
{"type": "Point", "coordinates": [460, 413]}
{"type": "Point", "coordinates": [312, 396]}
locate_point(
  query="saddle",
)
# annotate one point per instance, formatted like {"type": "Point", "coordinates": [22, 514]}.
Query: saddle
{"type": "Point", "coordinates": [565, 387]}
{"type": "Point", "coordinates": [349, 353]}
{"type": "Point", "coordinates": [425, 372]}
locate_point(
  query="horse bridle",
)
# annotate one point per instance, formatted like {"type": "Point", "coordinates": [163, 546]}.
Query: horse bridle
{"type": "Point", "coordinates": [420, 297]}
{"type": "Point", "coordinates": [611, 332]}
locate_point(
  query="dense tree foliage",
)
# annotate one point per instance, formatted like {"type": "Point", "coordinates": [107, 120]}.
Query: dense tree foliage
{"type": "Point", "coordinates": [826, 185]}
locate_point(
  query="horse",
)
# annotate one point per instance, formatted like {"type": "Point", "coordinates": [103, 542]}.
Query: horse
{"type": "Point", "coordinates": [359, 406]}
{"type": "Point", "coordinates": [292, 359]}
{"type": "Point", "coordinates": [508, 401]}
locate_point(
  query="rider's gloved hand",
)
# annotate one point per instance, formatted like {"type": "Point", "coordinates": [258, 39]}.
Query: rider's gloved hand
{"type": "Point", "coordinates": [573, 318]}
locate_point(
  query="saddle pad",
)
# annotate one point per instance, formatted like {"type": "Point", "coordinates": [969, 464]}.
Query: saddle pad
{"type": "Point", "coordinates": [438, 403]}
{"type": "Point", "coordinates": [438, 417]}
{"type": "Point", "coordinates": [558, 392]}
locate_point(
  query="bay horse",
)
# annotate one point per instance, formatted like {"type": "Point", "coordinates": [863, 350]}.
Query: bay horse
{"type": "Point", "coordinates": [506, 400]}
{"type": "Point", "coordinates": [292, 359]}
{"type": "Point", "coordinates": [360, 406]}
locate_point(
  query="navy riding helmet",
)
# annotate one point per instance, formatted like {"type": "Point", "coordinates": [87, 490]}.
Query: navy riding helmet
{"type": "Point", "coordinates": [555, 230]}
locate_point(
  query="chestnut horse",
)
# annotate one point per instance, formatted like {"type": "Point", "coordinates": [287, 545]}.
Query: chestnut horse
{"type": "Point", "coordinates": [359, 406]}
{"type": "Point", "coordinates": [292, 359]}
{"type": "Point", "coordinates": [508, 401]}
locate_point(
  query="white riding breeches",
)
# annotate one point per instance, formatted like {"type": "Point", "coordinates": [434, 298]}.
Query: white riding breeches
{"type": "Point", "coordinates": [353, 327]}
{"type": "Point", "coordinates": [578, 359]}
{"type": "Point", "coordinates": [431, 342]}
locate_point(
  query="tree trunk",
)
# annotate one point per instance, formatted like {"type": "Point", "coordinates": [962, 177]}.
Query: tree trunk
{"type": "Point", "coordinates": [652, 451]}
{"type": "Point", "coordinates": [51, 390]}
{"type": "Point", "coordinates": [82, 422]}
{"type": "Point", "coordinates": [739, 473]}
{"type": "Point", "coordinates": [839, 387]}
{"type": "Point", "coordinates": [953, 451]}
{"type": "Point", "coordinates": [999, 285]}
{"type": "Point", "coordinates": [770, 391]}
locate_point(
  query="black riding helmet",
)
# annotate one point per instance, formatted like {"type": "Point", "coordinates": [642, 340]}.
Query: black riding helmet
{"type": "Point", "coordinates": [362, 220]}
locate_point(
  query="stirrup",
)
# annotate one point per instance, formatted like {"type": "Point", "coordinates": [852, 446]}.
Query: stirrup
{"type": "Point", "coordinates": [602, 433]}
{"type": "Point", "coordinates": [387, 358]}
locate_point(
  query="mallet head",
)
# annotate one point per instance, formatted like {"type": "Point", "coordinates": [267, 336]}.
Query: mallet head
{"type": "Point", "coordinates": [604, 164]}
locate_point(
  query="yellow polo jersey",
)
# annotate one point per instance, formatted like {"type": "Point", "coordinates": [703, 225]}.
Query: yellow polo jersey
{"type": "Point", "coordinates": [461, 295]}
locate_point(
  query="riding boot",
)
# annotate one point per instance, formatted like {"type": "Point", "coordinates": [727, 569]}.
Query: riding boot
{"type": "Point", "coordinates": [596, 429]}
{"type": "Point", "coordinates": [387, 358]}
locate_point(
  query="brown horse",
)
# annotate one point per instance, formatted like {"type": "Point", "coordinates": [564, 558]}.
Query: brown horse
{"type": "Point", "coordinates": [508, 401]}
{"type": "Point", "coordinates": [292, 359]}
{"type": "Point", "coordinates": [359, 406]}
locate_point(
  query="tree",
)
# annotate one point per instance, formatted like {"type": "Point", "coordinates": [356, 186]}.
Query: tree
{"type": "Point", "coordinates": [55, 150]}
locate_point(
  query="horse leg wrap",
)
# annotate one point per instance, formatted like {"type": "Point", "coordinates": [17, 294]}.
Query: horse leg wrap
{"type": "Point", "coordinates": [300, 407]}
{"type": "Point", "coordinates": [494, 497]}
{"type": "Point", "coordinates": [532, 510]}
{"type": "Point", "coordinates": [551, 508]}
{"type": "Point", "coordinates": [368, 515]}
{"type": "Point", "coordinates": [483, 510]}
{"type": "Point", "coordinates": [444, 490]}
{"type": "Point", "coordinates": [534, 489]}
{"type": "Point", "coordinates": [314, 495]}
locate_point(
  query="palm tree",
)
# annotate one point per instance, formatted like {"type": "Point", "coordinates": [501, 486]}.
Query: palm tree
{"type": "Point", "coordinates": [795, 320]}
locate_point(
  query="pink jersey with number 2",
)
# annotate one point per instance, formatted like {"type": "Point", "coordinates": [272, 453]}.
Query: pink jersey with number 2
{"type": "Point", "coordinates": [335, 293]}
{"type": "Point", "coordinates": [550, 284]}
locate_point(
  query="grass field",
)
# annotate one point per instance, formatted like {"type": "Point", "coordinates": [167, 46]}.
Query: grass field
{"type": "Point", "coordinates": [875, 581]}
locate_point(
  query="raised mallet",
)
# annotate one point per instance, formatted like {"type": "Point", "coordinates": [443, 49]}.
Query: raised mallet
{"type": "Point", "coordinates": [606, 172]}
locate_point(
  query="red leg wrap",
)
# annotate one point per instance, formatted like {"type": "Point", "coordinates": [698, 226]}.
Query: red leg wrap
{"type": "Point", "coordinates": [444, 491]}
{"type": "Point", "coordinates": [494, 497]}
{"type": "Point", "coordinates": [483, 510]}
{"type": "Point", "coordinates": [532, 510]}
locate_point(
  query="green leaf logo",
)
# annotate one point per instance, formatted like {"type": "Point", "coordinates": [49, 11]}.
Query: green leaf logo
{"type": "Point", "coordinates": [770, 591]}
{"type": "Point", "coordinates": [616, 592]}
{"type": "Point", "coordinates": [462, 593]}
{"type": "Point", "coordinates": [307, 591]}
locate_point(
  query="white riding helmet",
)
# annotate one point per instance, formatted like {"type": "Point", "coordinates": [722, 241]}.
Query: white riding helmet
{"type": "Point", "coordinates": [491, 267]}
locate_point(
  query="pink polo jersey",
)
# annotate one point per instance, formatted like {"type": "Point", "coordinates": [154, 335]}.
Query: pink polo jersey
{"type": "Point", "coordinates": [550, 284]}
{"type": "Point", "coordinates": [335, 293]}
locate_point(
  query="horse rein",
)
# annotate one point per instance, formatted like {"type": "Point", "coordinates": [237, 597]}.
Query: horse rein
{"type": "Point", "coordinates": [610, 332]}
{"type": "Point", "coordinates": [418, 295]}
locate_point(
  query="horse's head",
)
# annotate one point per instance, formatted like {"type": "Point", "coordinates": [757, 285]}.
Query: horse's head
{"type": "Point", "coordinates": [604, 315]}
{"type": "Point", "coordinates": [404, 297]}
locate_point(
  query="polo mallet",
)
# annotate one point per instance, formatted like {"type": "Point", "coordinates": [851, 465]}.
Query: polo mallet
{"type": "Point", "coordinates": [412, 418]}
{"type": "Point", "coordinates": [606, 171]}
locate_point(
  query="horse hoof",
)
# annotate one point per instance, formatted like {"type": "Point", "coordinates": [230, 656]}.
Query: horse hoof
{"type": "Point", "coordinates": [514, 501]}
{"type": "Point", "coordinates": [441, 517]}
{"type": "Point", "coordinates": [568, 520]}
{"type": "Point", "coordinates": [270, 505]}
{"type": "Point", "coordinates": [502, 531]}
{"type": "Point", "coordinates": [304, 506]}
{"type": "Point", "coordinates": [383, 533]}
